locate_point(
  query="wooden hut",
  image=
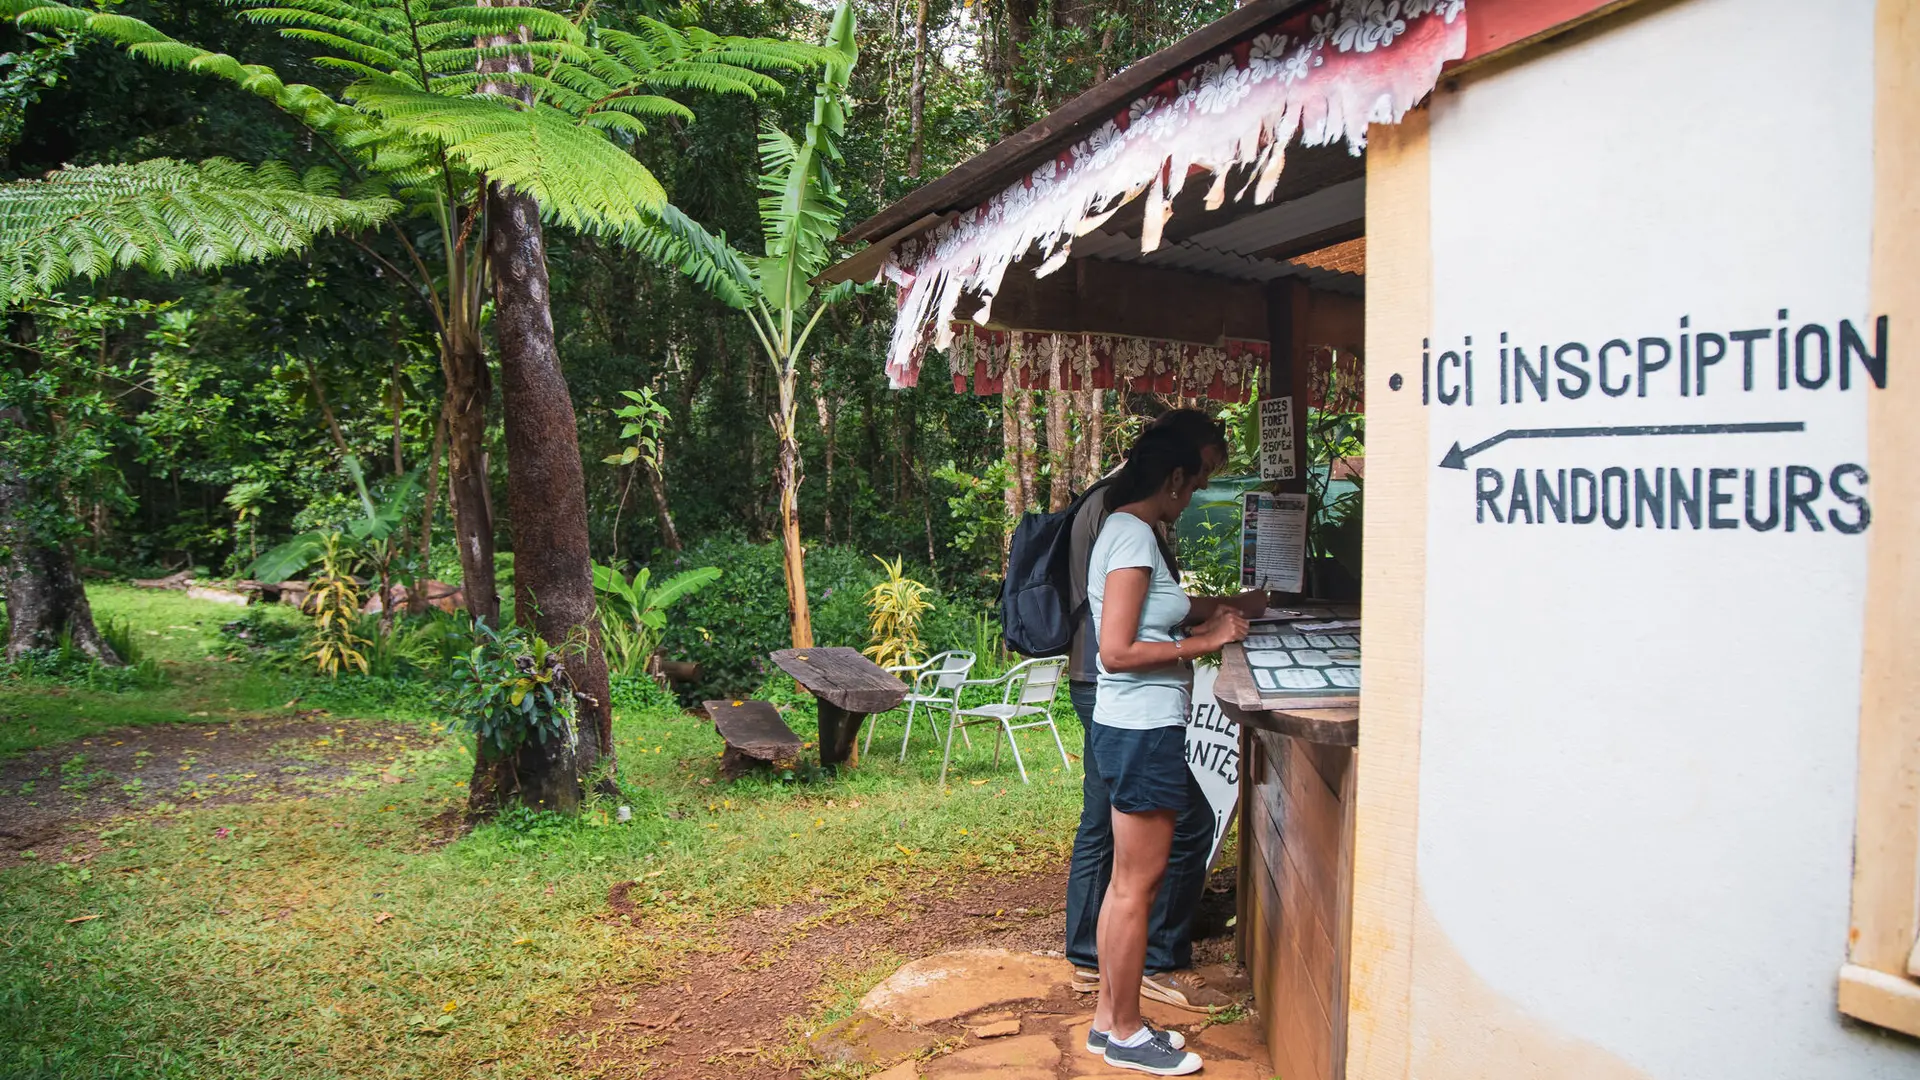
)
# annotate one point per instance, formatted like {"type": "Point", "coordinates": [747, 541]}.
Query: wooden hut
{"type": "Point", "coordinates": [1632, 784]}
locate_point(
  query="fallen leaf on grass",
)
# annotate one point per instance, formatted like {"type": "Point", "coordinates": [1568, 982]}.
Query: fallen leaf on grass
{"type": "Point", "coordinates": [382, 917]}
{"type": "Point", "coordinates": [523, 941]}
{"type": "Point", "coordinates": [82, 918]}
{"type": "Point", "coordinates": [976, 783]}
{"type": "Point", "coordinates": [904, 849]}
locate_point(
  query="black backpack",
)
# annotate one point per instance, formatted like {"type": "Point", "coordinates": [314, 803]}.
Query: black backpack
{"type": "Point", "coordinates": [1036, 616]}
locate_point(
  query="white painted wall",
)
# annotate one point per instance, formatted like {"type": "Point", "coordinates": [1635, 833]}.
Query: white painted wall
{"type": "Point", "coordinates": [1638, 748]}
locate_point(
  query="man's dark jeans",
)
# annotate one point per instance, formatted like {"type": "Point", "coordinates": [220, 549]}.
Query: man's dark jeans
{"type": "Point", "coordinates": [1170, 927]}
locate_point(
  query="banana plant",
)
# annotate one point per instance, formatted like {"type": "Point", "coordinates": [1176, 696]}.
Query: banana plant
{"type": "Point", "coordinates": [800, 212]}
{"type": "Point", "coordinates": [633, 614]}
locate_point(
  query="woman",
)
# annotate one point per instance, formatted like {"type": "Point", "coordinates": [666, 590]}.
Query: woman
{"type": "Point", "coordinates": [1138, 735]}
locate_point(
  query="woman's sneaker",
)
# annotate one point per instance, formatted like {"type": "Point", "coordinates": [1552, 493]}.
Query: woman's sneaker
{"type": "Point", "coordinates": [1183, 990]}
{"type": "Point", "coordinates": [1086, 980]}
{"type": "Point", "coordinates": [1157, 1055]}
{"type": "Point", "coordinates": [1097, 1040]}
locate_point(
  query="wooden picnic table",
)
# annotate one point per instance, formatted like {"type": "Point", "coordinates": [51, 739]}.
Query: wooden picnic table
{"type": "Point", "coordinates": [848, 687]}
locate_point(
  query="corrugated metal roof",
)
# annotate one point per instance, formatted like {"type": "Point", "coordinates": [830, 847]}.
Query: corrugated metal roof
{"type": "Point", "coordinates": [1229, 250]}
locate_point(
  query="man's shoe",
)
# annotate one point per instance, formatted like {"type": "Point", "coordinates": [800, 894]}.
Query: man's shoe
{"type": "Point", "coordinates": [1086, 980]}
{"type": "Point", "coordinates": [1157, 1055]}
{"type": "Point", "coordinates": [1183, 990]}
{"type": "Point", "coordinates": [1097, 1040]}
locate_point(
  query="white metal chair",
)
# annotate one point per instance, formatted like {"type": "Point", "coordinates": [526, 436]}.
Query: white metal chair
{"type": "Point", "coordinates": [936, 684]}
{"type": "Point", "coordinates": [1030, 688]}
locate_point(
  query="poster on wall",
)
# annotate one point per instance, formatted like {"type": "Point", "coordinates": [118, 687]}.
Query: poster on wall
{"type": "Point", "coordinates": [1273, 542]}
{"type": "Point", "coordinates": [1276, 439]}
{"type": "Point", "coordinates": [1213, 754]}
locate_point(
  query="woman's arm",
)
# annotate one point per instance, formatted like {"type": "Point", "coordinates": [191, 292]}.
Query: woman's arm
{"type": "Point", "coordinates": [1120, 648]}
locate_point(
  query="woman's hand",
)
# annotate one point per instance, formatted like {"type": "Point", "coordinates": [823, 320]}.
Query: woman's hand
{"type": "Point", "coordinates": [1224, 625]}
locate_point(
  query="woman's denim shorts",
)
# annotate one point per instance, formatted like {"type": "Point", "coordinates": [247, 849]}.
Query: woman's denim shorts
{"type": "Point", "coordinates": [1145, 769]}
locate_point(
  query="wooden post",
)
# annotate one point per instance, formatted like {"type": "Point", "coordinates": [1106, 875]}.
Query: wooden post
{"type": "Point", "coordinates": [1288, 373]}
{"type": "Point", "coordinates": [1288, 365]}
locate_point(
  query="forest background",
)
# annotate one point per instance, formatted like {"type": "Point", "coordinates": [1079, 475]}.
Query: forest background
{"type": "Point", "coordinates": [221, 408]}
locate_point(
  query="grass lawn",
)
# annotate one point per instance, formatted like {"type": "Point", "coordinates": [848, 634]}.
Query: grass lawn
{"type": "Point", "coordinates": [335, 933]}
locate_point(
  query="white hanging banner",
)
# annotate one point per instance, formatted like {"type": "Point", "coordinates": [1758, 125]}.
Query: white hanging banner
{"type": "Point", "coordinates": [1213, 754]}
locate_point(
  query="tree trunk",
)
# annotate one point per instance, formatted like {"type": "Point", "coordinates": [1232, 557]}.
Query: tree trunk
{"type": "Point", "coordinates": [399, 406]}
{"type": "Point", "coordinates": [787, 479]}
{"type": "Point", "coordinates": [547, 500]}
{"type": "Point", "coordinates": [45, 598]}
{"type": "Point", "coordinates": [669, 536]}
{"type": "Point", "coordinates": [917, 96]}
{"type": "Point", "coordinates": [1059, 439]}
{"type": "Point", "coordinates": [1010, 453]}
{"type": "Point", "coordinates": [417, 597]}
{"type": "Point", "coordinates": [1027, 461]}
{"type": "Point", "coordinates": [469, 388]}
{"type": "Point", "coordinates": [1093, 418]}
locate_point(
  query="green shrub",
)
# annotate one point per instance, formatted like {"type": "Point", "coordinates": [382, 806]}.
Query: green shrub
{"type": "Point", "coordinates": [65, 665]}
{"type": "Point", "coordinates": [640, 693]}
{"type": "Point", "coordinates": [729, 627]}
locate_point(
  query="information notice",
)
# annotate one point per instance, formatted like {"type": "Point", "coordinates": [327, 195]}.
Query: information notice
{"type": "Point", "coordinates": [1273, 542]}
{"type": "Point", "coordinates": [1277, 454]}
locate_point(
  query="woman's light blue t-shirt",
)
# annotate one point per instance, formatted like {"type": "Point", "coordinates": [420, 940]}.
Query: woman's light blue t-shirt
{"type": "Point", "coordinates": [1156, 697]}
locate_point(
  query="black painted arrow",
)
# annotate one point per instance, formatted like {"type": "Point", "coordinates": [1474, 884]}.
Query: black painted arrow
{"type": "Point", "coordinates": [1457, 458]}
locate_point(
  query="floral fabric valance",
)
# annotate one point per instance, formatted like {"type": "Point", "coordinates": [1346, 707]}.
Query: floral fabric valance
{"type": "Point", "coordinates": [1324, 75]}
{"type": "Point", "coordinates": [991, 361]}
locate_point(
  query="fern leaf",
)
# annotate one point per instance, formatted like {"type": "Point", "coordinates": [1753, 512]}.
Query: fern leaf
{"type": "Point", "coordinates": [166, 216]}
{"type": "Point", "coordinates": [579, 179]}
{"type": "Point", "coordinates": [670, 238]}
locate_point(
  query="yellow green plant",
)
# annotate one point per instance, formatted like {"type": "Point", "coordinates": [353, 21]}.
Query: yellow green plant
{"type": "Point", "coordinates": [894, 609]}
{"type": "Point", "coordinates": [334, 600]}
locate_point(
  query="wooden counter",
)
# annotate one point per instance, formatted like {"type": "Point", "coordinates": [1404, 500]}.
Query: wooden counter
{"type": "Point", "coordinates": [1297, 759]}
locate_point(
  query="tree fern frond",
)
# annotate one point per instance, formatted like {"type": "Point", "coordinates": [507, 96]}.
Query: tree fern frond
{"type": "Point", "coordinates": [671, 238]}
{"type": "Point", "coordinates": [392, 46]}
{"type": "Point", "coordinates": [615, 121]}
{"type": "Point", "coordinates": [509, 20]}
{"type": "Point", "coordinates": [579, 179]}
{"type": "Point", "coordinates": [355, 67]}
{"type": "Point", "coordinates": [165, 215]}
{"type": "Point", "coordinates": [344, 48]}
{"type": "Point", "coordinates": [712, 79]}
{"type": "Point", "coordinates": [644, 105]}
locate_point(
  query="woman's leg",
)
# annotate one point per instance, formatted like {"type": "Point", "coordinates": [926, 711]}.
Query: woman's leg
{"type": "Point", "coordinates": [1140, 845]}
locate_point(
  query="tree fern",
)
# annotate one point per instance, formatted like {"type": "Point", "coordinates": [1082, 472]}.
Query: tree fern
{"type": "Point", "coordinates": [164, 216]}
{"type": "Point", "coordinates": [414, 104]}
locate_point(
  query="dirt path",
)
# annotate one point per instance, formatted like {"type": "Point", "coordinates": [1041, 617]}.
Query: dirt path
{"type": "Point", "coordinates": [52, 797]}
{"type": "Point", "coordinates": [734, 1012]}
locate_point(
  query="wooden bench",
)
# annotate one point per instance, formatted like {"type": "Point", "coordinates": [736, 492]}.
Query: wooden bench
{"type": "Point", "coordinates": [754, 735]}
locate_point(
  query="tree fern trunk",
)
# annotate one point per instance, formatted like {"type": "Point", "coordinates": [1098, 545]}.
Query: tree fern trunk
{"type": "Point", "coordinates": [546, 501]}
{"type": "Point", "coordinates": [469, 388]}
{"type": "Point", "coordinates": [546, 492]}
{"type": "Point", "coordinates": [45, 598]}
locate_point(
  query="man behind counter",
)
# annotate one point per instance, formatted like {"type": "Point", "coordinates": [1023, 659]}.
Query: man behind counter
{"type": "Point", "coordinates": [1168, 976]}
